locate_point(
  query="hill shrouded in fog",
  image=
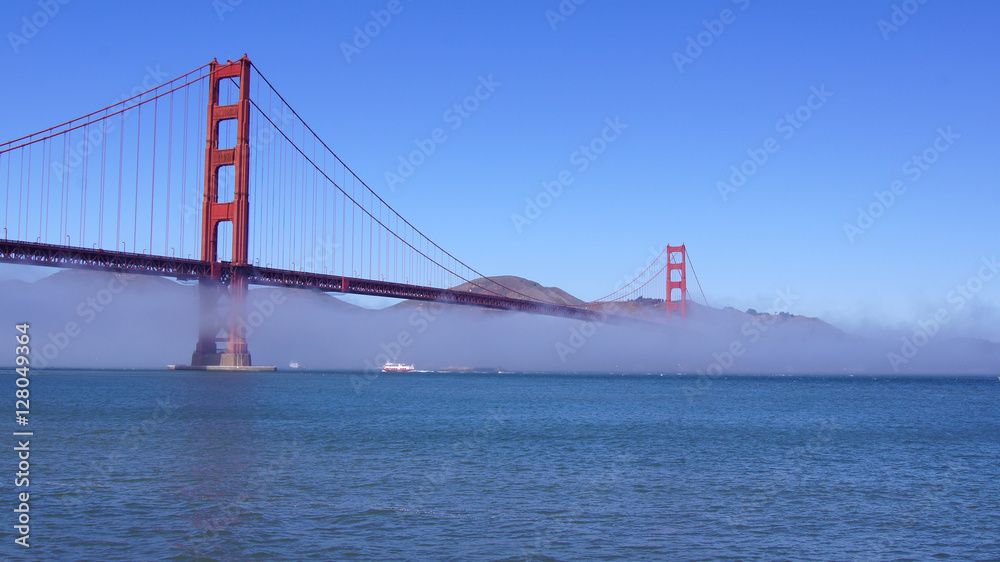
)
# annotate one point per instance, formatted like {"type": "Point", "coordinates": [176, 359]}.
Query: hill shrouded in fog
{"type": "Point", "coordinates": [93, 319]}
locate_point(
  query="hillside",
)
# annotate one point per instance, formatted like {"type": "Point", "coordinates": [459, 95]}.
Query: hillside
{"type": "Point", "coordinates": [507, 286]}
{"type": "Point", "coordinates": [519, 287]}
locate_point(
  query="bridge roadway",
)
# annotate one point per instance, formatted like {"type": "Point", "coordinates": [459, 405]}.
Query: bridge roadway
{"type": "Point", "coordinates": [28, 253]}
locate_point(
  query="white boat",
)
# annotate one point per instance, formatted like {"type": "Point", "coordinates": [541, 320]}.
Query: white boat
{"type": "Point", "coordinates": [396, 368]}
{"type": "Point", "coordinates": [293, 365]}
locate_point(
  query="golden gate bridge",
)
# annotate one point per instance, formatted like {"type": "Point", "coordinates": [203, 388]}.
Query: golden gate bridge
{"type": "Point", "coordinates": [244, 194]}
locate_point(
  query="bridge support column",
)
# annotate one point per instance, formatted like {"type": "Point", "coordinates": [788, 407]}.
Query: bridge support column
{"type": "Point", "coordinates": [222, 321]}
{"type": "Point", "coordinates": [210, 293]}
{"type": "Point", "coordinates": [677, 261]}
{"type": "Point", "coordinates": [236, 354]}
{"type": "Point", "coordinates": [217, 324]}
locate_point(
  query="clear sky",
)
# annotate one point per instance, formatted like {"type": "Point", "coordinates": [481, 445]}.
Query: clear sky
{"type": "Point", "coordinates": [839, 97]}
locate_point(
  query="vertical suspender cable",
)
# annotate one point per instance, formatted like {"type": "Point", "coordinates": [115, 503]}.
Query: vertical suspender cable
{"type": "Point", "coordinates": [121, 163]}
{"type": "Point", "coordinates": [20, 196]}
{"type": "Point", "coordinates": [6, 197]}
{"type": "Point", "coordinates": [41, 195]}
{"type": "Point", "coordinates": [27, 199]}
{"type": "Point", "coordinates": [352, 229]}
{"type": "Point", "coordinates": [170, 155]}
{"type": "Point", "coordinates": [104, 163]}
{"type": "Point", "coordinates": [305, 188]}
{"type": "Point", "coordinates": [135, 213]}
{"type": "Point", "coordinates": [332, 245]}
{"type": "Point", "coordinates": [184, 157]}
{"type": "Point", "coordinates": [152, 190]}
{"type": "Point", "coordinates": [48, 188]}
{"type": "Point", "coordinates": [83, 192]}
{"type": "Point", "coordinates": [312, 235]}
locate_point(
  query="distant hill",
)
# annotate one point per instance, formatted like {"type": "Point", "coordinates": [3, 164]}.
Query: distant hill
{"type": "Point", "coordinates": [643, 308]}
{"type": "Point", "coordinates": [518, 287]}
{"type": "Point", "coordinates": [508, 286]}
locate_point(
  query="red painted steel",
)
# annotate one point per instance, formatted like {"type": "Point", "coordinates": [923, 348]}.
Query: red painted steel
{"type": "Point", "coordinates": [236, 212]}
{"type": "Point", "coordinates": [225, 273]}
{"type": "Point", "coordinates": [680, 284]}
{"type": "Point", "coordinates": [30, 253]}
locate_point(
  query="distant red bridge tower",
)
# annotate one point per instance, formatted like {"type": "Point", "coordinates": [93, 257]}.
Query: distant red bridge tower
{"type": "Point", "coordinates": [677, 261]}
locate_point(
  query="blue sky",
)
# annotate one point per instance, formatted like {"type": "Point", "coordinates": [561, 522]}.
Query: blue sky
{"type": "Point", "coordinates": [688, 115]}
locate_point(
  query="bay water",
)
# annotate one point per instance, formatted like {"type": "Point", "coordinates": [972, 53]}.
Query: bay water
{"type": "Point", "coordinates": [162, 465]}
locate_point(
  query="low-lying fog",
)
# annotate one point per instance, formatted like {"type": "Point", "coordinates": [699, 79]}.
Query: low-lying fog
{"type": "Point", "coordinates": [102, 320]}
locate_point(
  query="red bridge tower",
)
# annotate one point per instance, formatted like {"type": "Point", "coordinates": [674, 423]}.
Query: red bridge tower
{"type": "Point", "coordinates": [215, 325]}
{"type": "Point", "coordinates": [677, 281]}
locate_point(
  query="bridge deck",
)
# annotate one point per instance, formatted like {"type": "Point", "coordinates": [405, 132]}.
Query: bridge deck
{"type": "Point", "coordinates": [28, 253]}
